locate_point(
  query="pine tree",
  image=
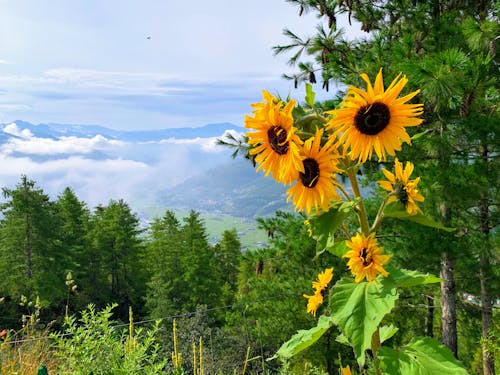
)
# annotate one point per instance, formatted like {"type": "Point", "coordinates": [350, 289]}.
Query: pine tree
{"type": "Point", "coordinates": [30, 260]}
{"type": "Point", "coordinates": [165, 292]}
{"type": "Point", "coordinates": [72, 232]}
{"type": "Point", "coordinates": [119, 252]}
{"type": "Point", "coordinates": [199, 274]}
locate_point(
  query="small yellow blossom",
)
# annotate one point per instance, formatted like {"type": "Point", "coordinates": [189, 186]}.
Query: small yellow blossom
{"type": "Point", "coordinates": [323, 279]}
{"type": "Point", "coordinates": [404, 189]}
{"type": "Point", "coordinates": [313, 302]}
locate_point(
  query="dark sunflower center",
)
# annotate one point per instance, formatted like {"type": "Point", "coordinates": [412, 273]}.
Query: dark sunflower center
{"type": "Point", "coordinates": [310, 176]}
{"type": "Point", "coordinates": [365, 257]}
{"type": "Point", "coordinates": [401, 193]}
{"type": "Point", "coordinates": [372, 119]}
{"type": "Point", "coordinates": [277, 139]}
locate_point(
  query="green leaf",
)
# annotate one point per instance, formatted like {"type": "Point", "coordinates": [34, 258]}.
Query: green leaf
{"type": "Point", "coordinates": [342, 340]}
{"type": "Point", "coordinates": [324, 226]}
{"type": "Point", "coordinates": [304, 338]}
{"type": "Point", "coordinates": [418, 135]}
{"type": "Point", "coordinates": [338, 248]}
{"type": "Point", "coordinates": [423, 356]}
{"type": "Point", "coordinates": [386, 332]}
{"type": "Point", "coordinates": [310, 95]}
{"type": "Point", "coordinates": [358, 309]}
{"type": "Point", "coordinates": [397, 210]}
{"type": "Point", "coordinates": [406, 278]}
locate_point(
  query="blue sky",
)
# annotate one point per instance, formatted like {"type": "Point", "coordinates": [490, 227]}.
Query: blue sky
{"type": "Point", "coordinates": [91, 61]}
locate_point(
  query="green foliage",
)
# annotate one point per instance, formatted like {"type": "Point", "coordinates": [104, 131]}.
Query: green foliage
{"type": "Point", "coordinates": [397, 210]}
{"type": "Point", "coordinates": [419, 357]}
{"type": "Point", "coordinates": [29, 262]}
{"type": "Point", "coordinates": [325, 225]}
{"type": "Point", "coordinates": [358, 309]}
{"type": "Point", "coordinates": [406, 278]}
{"type": "Point", "coordinates": [95, 345]}
{"type": "Point", "coordinates": [115, 258]}
{"type": "Point", "coordinates": [304, 338]}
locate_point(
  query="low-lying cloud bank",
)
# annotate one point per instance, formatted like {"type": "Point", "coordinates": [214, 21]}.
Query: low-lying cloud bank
{"type": "Point", "coordinates": [99, 169]}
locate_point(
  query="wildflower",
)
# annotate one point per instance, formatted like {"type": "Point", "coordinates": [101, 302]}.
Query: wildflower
{"type": "Point", "coordinates": [315, 186]}
{"type": "Point", "coordinates": [324, 279]}
{"type": "Point", "coordinates": [345, 370]}
{"type": "Point", "coordinates": [274, 141]}
{"type": "Point", "coordinates": [405, 190]}
{"type": "Point", "coordinates": [365, 258]}
{"type": "Point", "coordinates": [375, 119]}
{"type": "Point", "coordinates": [314, 301]}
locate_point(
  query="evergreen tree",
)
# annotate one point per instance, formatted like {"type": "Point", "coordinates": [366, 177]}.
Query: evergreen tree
{"type": "Point", "coordinates": [165, 291]}
{"type": "Point", "coordinates": [72, 232]}
{"type": "Point", "coordinates": [30, 262]}
{"type": "Point", "coordinates": [199, 275]}
{"type": "Point", "coordinates": [117, 257]}
{"type": "Point", "coordinates": [227, 256]}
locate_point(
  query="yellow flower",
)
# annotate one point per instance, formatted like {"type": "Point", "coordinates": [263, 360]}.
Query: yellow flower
{"type": "Point", "coordinates": [315, 186]}
{"type": "Point", "coordinates": [404, 189]}
{"type": "Point", "coordinates": [274, 141]}
{"type": "Point", "coordinates": [313, 302]}
{"type": "Point", "coordinates": [324, 279]}
{"type": "Point", "coordinates": [375, 119]}
{"type": "Point", "coordinates": [346, 370]}
{"type": "Point", "coordinates": [365, 258]}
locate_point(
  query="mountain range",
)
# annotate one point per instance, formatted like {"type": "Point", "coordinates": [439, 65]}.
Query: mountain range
{"type": "Point", "coordinates": [177, 168]}
{"type": "Point", "coordinates": [54, 131]}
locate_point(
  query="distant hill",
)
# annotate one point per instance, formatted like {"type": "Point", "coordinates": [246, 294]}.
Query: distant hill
{"type": "Point", "coordinates": [55, 131]}
{"type": "Point", "coordinates": [233, 188]}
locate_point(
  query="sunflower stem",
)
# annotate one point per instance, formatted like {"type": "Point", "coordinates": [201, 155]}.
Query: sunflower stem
{"type": "Point", "coordinates": [342, 190]}
{"type": "Point", "coordinates": [375, 347]}
{"type": "Point", "coordinates": [380, 213]}
{"type": "Point", "coordinates": [363, 219]}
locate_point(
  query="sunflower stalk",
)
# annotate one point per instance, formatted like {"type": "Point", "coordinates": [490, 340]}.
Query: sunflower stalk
{"type": "Point", "coordinates": [380, 213]}
{"type": "Point", "coordinates": [376, 344]}
{"type": "Point", "coordinates": [361, 210]}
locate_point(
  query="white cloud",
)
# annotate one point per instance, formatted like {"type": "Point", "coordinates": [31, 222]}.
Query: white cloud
{"type": "Point", "coordinates": [13, 129]}
{"type": "Point", "coordinates": [28, 144]}
{"type": "Point", "coordinates": [205, 144]}
{"type": "Point", "coordinates": [94, 181]}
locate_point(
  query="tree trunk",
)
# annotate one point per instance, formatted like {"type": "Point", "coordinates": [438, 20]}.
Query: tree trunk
{"type": "Point", "coordinates": [448, 310]}
{"type": "Point", "coordinates": [486, 314]}
{"type": "Point", "coordinates": [484, 272]}
{"type": "Point", "coordinates": [448, 314]}
{"type": "Point", "coordinates": [429, 316]}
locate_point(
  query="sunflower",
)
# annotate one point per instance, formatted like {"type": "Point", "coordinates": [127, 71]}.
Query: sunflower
{"type": "Point", "coordinates": [323, 279]}
{"type": "Point", "coordinates": [315, 186]}
{"type": "Point", "coordinates": [375, 119]}
{"type": "Point", "coordinates": [365, 258]}
{"type": "Point", "coordinates": [404, 190]}
{"type": "Point", "coordinates": [313, 302]}
{"type": "Point", "coordinates": [274, 141]}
